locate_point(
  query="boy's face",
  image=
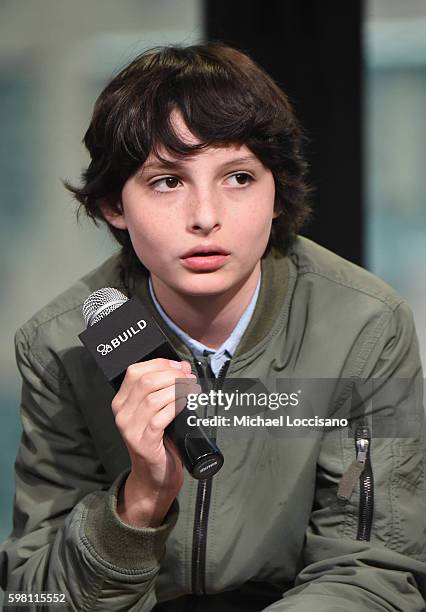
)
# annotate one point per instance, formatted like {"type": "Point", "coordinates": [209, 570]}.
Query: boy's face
{"type": "Point", "coordinates": [221, 199]}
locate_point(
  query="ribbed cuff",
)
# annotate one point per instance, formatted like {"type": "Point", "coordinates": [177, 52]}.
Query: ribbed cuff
{"type": "Point", "coordinates": [119, 544]}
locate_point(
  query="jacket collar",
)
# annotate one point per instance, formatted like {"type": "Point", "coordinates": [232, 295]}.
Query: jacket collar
{"type": "Point", "coordinates": [273, 290]}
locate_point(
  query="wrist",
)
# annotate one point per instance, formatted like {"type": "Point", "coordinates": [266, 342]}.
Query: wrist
{"type": "Point", "coordinates": [139, 508]}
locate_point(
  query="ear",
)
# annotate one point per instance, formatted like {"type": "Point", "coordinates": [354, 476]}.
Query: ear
{"type": "Point", "coordinates": [276, 213]}
{"type": "Point", "coordinates": [114, 215]}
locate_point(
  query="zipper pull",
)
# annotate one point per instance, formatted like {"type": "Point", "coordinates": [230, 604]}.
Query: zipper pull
{"type": "Point", "coordinates": [351, 476]}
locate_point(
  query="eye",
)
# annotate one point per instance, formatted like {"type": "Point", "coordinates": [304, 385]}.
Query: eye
{"type": "Point", "coordinates": [241, 179]}
{"type": "Point", "coordinates": [167, 183]}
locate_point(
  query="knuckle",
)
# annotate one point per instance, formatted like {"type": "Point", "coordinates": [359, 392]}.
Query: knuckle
{"type": "Point", "coordinates": [120, 420]}
{"type": "Point", "coordinates": [132, 372]}
{"type": "Point", "coordinates": [151, 402]}
{"type": "Point", "coordinates": [115, 405]}
{"type": "Point", "coordinates": [163, 362]}
{"type": "Point", "coordinates": [155, 426]}
{"type": "Point", "coordinates": [146, 382]}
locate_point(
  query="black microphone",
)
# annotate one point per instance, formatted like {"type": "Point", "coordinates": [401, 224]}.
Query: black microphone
{"type": "Point", "coordinates": [121, 331]}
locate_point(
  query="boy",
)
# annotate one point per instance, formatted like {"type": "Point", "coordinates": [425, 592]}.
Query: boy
{"type": "Point", "coordinates": [196, 167]}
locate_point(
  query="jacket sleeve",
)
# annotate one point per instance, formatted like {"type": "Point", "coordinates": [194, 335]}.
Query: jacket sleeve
{"type": "Point", "coordinates": [67, 536]}
{"type": "Point", "coordinates": [386, 572]}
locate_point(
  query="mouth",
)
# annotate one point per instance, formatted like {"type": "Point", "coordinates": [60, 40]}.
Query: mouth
{"type": "Point", "coordinates": [205, 251]}
{"type": "Point", "coordinates": [205, 258]}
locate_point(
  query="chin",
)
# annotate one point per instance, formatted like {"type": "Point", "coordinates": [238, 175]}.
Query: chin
{"type": "Point", "coordinates": [207, 283]}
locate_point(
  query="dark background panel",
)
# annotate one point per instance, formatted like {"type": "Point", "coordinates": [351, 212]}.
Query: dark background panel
{"type": "Point", "coordinates": [313, 51]}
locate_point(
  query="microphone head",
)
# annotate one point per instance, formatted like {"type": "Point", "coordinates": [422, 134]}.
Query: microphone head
{"type": "Point", "coordinates": [101, 303]}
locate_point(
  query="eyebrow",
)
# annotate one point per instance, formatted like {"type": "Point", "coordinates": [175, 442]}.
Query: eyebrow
{"type": "Point", "coordinates": [172, 164]}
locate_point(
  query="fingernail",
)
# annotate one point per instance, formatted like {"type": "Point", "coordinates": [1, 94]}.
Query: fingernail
{"type": "Point", "coordinates": [175, 364]}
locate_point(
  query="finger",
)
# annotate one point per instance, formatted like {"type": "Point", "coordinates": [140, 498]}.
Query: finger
{"type": "Point", "coordinates": [147, 444]}
{"type": "Point", "coordinates": [133, 420]}
{"type": "Point", "coordinates": [139, 382]}
{"type": "Point", "coordinates": [157, 401]}
{"type": "Point", "coordinates": [154, 431]}
{"type": "Point", "coordinates": [148, 390]}
{"type": "Point", "coordinates": [136, 370]}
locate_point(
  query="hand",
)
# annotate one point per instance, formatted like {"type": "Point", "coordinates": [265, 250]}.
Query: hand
{"type": "Point", "coordinates": [147, 401]}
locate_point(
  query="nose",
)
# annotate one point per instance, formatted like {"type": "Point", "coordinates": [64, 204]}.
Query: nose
{"type": "Point", "coordinates": [204, 214]}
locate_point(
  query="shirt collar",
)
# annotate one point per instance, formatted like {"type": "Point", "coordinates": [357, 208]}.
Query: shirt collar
{"type": "Point", "coordinates": [198, 348]}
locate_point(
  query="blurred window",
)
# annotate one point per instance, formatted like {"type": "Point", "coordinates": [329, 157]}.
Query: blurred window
{"type": "Point", "coordinates": [395, 137]}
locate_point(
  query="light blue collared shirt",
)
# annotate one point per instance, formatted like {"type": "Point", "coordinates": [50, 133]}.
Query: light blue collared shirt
{"type": "Point", "coordinates": [221, 355]}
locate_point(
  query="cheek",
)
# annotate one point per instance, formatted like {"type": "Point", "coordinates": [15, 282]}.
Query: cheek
{"type": "Point", "coordinates": [144, 222]}
{"type": "Point", "coordinates": [256, 215]}
{"type": "Point", "coordinates": [149, 235]}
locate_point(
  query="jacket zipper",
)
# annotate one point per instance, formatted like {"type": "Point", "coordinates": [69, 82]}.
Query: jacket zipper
{"type": "Point", "coordinates": [366, 486]}
{"type": "Point", "coordinates": [360, 470]}
{"type": "Point", "coordinates": [202, 505]}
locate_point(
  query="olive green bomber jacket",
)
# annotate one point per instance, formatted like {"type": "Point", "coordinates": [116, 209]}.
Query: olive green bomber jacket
{"type": "Point", "coordinates": [274, 534]}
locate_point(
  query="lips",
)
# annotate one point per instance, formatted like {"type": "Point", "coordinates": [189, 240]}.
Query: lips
{"type": "Point", "coordinates": [205, 250]}
{"type": "Point", "coordinates": [205, 258]}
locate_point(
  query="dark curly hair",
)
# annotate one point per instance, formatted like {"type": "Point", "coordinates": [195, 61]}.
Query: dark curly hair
{"type": "Point", "coordinates": [223, 97]}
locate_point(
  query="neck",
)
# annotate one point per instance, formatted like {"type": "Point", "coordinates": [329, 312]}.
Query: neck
{"type": "Point", "coordinates": [208, 319]}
